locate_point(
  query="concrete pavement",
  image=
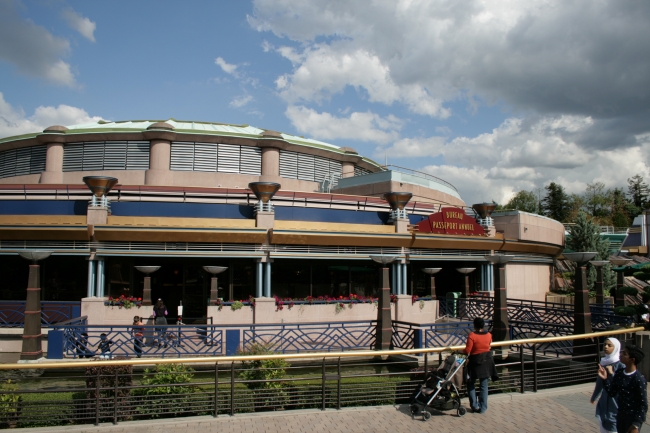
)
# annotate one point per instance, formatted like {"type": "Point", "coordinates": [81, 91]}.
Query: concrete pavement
{"type": "Point", "coordinates": [557, 410]}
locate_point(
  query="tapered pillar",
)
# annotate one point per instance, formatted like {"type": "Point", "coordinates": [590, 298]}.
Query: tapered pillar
{"type": "Point", "coordinates": [500, 325]}
{"type": "Point", "coordinates": [146, 291]}
{"type": "Point", "coordinates": [620, 283]}
{"type": "Point", "coordinates": [384, 322]}
{"type": "Point", "coordinates": [581, 311]}
{"type": "Point", "coordinates": [32, 337]}
{"type": "Point", "coordinates": [431, 272]}
{"type": "Point", "coordinates": [598, 286]}
{"type": "Point", "coordinates": [465, 290]}
{"type": "Point", "coordinates": [214, 283]}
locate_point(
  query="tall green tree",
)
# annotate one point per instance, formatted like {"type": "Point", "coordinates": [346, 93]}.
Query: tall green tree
{"type": "Point", "coordinates": [597, 201]}
{"type": "Point", "coordinates": [619, 208]}
{"type": "Point", "coordinates": [637, 189]}
{"type": "Point", "coordinates": [525, 201]}
{"type": "Point", "coordinates": [556, 202]}
{"type": "Point", "coordinates": [584, 236]}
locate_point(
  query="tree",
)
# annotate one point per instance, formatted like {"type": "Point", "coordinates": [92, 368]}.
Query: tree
{"type": "Point", "coordinates": [556, 202]}
{"type": "Point", "coordinates": [597, 201]}
{"type": "Point", "coordinates": [523, 201]}
{"type": "Point", "coordinates": [619, 208]}
{"type": "Point", "coordinates": [585, 236]}
{"type": "Point", "coordinates": [576, 204]}
{"type": "Point", "coordinates": [638, 191]}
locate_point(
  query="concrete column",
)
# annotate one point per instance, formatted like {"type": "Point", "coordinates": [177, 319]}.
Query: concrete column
{"type": "Point", "coordinates": [91, 279]}
{"type": "Point", "coordinates": [384, 322]}
{"type": "Point", "coordinates": [347, 169]}
{"type": "Point", "coordinates": [582, 314]}
{"type": "Point", "coordinates": [146, 291]}
{"type": "Point", "coordinates": [32, 337]}
{"type": "Point", "coordinates": [267, 279]}
{"type": "Point", "coordinates": [259, 286]}
{"type": "Point", "coordinates": [53, 173]}
{"type": "Point", "coordinates": [398, 279]}
{"type": "Point", "coordinates": [270, 164]}
{"type": "Point", "coordinates": [404, 279]}
{"type": "Point", "coordinates": [99, 291]}
{"type": "Point", "coordinates": [393, 281]}
{"type": "Point", "coordinates": [619, 301]}
{"type": "Point", "coordinates": [598, 286]}
{"type": "Point", "coordinates": [160, 154]}
{"type": "Point", "coordinates": [214, 290]}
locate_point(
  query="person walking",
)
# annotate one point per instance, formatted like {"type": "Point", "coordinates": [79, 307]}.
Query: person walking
{"type": "Point", "coordinates": [607, 406]}
{"type": "Point", "coordinates": [159, 314]}
{"type": "Point", "coordinates": [480, 366]}
{"type": "Point", "coordinates": [629, 387]}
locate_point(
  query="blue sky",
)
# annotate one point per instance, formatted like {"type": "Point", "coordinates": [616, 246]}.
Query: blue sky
{"type": "Point", "coordinates": [493, 96]}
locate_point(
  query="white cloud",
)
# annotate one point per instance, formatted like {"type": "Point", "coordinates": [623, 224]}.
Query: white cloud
{"type": "Point", "coordinates": [32, 49]}
{"type": "Point", "coordinates": [548, 57]}
{"type": "Point", "coordinates": [240, 101]}
{"type": "Point", "coordinates": [81, 24]}
{"type": "Point", "coordinates": [226, 67]}
{"type": "Point", "coordinates": [358, 126]}
{"type": "Point", "coordinates": [14, 121]}
{"type": "Point", "coordinates": [413, 147]}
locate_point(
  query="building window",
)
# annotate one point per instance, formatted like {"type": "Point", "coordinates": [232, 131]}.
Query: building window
{"type": "Point", "coordinates": [106, 155]}
{"type": "Point", "coordinates": [301, 166]}
{"type": "Point", "coordinates": [19, 162]}
{"type": "Point", "coordinates": [210, 157]}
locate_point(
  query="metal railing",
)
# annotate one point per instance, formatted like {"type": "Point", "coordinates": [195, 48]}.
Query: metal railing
{"type": "Point", "coordinates": [86, 392]}
{"type": "Point", "coordinates": [421, 174]}
{"type": "Point", "coordinates": [12, 313]}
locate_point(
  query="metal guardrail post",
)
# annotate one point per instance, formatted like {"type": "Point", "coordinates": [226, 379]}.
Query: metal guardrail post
{"type": "Point", "coordinates": [232, 389]}
{"type": "Point", "coordinates": [534, 368]}
{"type": "Point", "coordinates": [338, 386]}
{"type": "Point", "coordinates": [323, 387]}
{"type": "Point", "coordinates": [115, 389]}
{"type": "Point", "coordinates": [216, 389]}
{"type": "Point", "coordinates": [97, 397]}
{"type": "Point", "coordinates": [426, 364]}
{"type": "Point", "coordinates": [521, 359]}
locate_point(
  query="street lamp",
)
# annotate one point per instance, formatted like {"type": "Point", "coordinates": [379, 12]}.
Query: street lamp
{"type": "Point", "coordinates": [146, 291]}
{"type": "Point", "coordinates": [581, 312]}
{"type": "Point", "coordinates": [214, 287]}
{"type": "Point", "coordinates": [500, 325]}
{"type": "Point", "coordinates": [384, 322]}
{"type": "Point", "coordinates": [32, 347]}
{"type": "Point", "coordinates": [598, 264]}
{"type": "Point", "coordinates": [432, 272]}
{"type": "Point", "coordinates": [619, 299]}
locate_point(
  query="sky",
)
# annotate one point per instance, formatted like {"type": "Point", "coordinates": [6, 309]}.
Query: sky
{"type": "Point", "coordinates": [492, 96]}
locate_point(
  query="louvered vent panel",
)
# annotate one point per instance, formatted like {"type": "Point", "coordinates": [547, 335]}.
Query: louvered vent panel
{"type": "Point", "coordinates": [305, 167]}
{"type": "Point", "coordinates": [137, 155]}
{"type": "Point", "coordinates": [23, 156]}
{"type": "Point", "coordinates": [115, 155]}
{"type": "Point", "coordinates": [251, 160]}
{"type": "Point", "coordinates": [37, 161]}
{"type": "Point", "coordinates": [2, 163]}
{"type": "Point", "coordinates": [205, 157]}
{"type": "Point", "coordinates": [93, 158]}
{"type": "Point", "coordinates": [288, 164]}
{"type": "Point", "coordinates": [358, 171]}
{"type": "Point", "coordinates": [228, 158]}
{"type": "Point", "coordinates": [321, 168]}
{"type": "Point", "coordinates": [182, 156]}
{"type": "Point", "coordinates": [8, 167]}
{"type": "Point", "coordinates": [73, 155]}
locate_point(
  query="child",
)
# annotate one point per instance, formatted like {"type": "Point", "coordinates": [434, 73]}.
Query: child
{"type": "Point", "coordinates": [83, 346]}
{"type": "Point", "coordinates": [138, 333]}
{"type": "Point", "coordinates": [104, 347]}
{"type": "Point", "coordinates": [629, 387]}
{"type": "Point", "coordinates": [607, 407]}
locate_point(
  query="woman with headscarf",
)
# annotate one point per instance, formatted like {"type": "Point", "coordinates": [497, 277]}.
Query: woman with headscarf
{"type": "Point", "coordinates": [607, 406]}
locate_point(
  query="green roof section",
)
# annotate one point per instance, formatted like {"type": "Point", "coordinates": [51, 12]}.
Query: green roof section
{"type": "Point", "coordinates": [188, 127]}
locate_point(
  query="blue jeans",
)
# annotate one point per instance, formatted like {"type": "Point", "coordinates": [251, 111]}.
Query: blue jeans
{"type": "Point", "coordinates": [481, 404]}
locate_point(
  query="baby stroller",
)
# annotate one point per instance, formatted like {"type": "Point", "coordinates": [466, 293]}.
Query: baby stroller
{"type": "Point", "coordinates": [438, 390]}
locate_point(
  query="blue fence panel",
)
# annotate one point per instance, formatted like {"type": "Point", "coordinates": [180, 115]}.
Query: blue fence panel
{"type": "Point", "coordinates": [309, 337]}
{"type": "Point", "coordinates": [12, 313]}
{"type": "Point", "coordinates": [521, 330]}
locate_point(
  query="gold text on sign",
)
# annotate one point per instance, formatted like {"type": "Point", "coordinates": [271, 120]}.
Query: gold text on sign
{"type": "Point", "coordinates": [451, 226]}
{"type": "Point", "coordinates": [454, 215]}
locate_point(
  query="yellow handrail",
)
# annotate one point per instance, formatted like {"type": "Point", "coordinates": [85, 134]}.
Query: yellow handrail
{"type": "Point", "coordinates": [360, 353]}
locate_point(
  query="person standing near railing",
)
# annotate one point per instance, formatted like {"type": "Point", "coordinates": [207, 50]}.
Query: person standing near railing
{"type": "Point", "coordinates": [138, 333]}
{"type": "Point", "coordinates": [629, 387]}
{"type": "Point", "coordinates": [480, 365]}
{"type": "Point", "coordinates": [159, 314]}
{"type": "Point", "coordinates": [607, 406]}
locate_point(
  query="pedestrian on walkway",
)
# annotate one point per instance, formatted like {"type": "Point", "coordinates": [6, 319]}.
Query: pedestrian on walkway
{"type": "Point", "coordinates": [138, 334]}
{"type": "Point", "coordinates": [159, 314]}
{"type": "Point", "coordinates": [607, 406]}
{"type": "Point", "coordinates": [480, 366]}
{"type": "Point", "coordinates": [630, 388]}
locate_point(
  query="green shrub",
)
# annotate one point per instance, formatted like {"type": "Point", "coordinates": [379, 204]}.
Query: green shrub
{"type": "Point", "coordinates": [45, 409]}
{"type": "Point", "coordinates": [9, 404]}
{"type": "Point", "coordinates": [625, 290]}
{"type": "Point", "coordinates": [107, 376]}
{"type": "Point", "coordinates": [168, 391]}
{"type": "Point", "coordinates": [267, 374]}
{"type": "Point", "coordinates": [625, 311]}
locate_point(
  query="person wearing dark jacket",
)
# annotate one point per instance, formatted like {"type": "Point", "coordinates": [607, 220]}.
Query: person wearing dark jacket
{"type": "Point", "coordinates": [629, 387]}
{"type": "Point", "coordinates": [480, 366]}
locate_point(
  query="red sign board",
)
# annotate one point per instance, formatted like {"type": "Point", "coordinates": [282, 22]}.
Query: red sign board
{"type": "Point", "coordinates": [451, 221]}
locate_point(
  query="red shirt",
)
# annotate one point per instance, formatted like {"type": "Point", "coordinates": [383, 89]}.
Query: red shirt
{"type": "Point", "coordinates": [478, 343]}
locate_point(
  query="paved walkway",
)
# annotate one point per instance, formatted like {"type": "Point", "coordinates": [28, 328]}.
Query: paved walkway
{"type": "Point", "coordinates": [556, 410]}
